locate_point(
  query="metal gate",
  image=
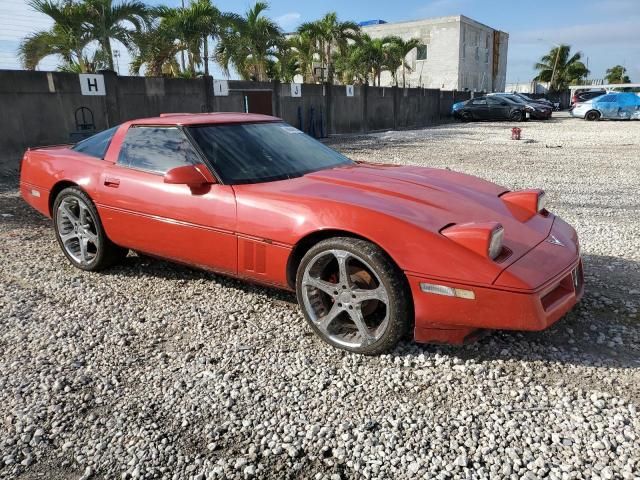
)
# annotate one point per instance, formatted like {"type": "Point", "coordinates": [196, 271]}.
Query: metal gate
{"type": "Point", "coordinates": [258, 102]}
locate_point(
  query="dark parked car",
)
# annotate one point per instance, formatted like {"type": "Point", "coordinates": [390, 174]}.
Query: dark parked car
{"type": "Point", "coordinates": [492, 107]}
{"type": "Point", "coordinates": [536, 110]}
{"type": "Point", "coordinates": [526, 98]}
{"type": "Point", "coordinates": [489, 108]}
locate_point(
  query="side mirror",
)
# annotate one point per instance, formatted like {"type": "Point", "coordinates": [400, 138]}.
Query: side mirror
{"type": "Point", "coordinates": [192, 175]}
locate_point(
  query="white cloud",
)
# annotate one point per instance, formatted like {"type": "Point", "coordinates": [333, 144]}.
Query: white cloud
{"type": "Point", "coordinates": [288, 21]}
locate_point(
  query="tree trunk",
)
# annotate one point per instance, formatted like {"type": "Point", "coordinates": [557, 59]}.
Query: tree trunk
{"type": "Point", "coordinates": [106, 44]}
{"type": "Point", "coordinates": [83, 67]}
{"type": "Point", "coordinates": [206, 55]}
{"type": "Point", "coordinates": [404, 80]}
{"type": "Point", "coordinates": [322, 64]}
{"type": "Point", "coordinates": [329, 72]}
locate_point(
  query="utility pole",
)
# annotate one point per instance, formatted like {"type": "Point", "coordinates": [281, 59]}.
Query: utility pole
{"type": "Point", "coordinates": [555, 65]}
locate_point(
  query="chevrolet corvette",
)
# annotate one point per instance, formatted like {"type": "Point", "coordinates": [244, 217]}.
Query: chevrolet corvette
{"type": "Point", "coordinates": [373, 251]}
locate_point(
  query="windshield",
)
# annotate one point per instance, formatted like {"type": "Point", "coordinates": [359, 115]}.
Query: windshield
{"type": "Point", "coordinates": [262, 152]}
{"type": "Point", "coordinates": [514, 99]}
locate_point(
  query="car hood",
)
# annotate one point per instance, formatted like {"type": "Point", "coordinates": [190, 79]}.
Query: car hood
{"type": "Point", "coordinates": [401, 208]}
{"type": "Point", "coordinates": [430, 198]}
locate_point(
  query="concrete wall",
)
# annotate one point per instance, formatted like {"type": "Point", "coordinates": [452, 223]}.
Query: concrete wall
{"type": "Point", "coordinates": [441, 37]}
{"type": "Point", "coordinates": [476, 56]}
{"type": "Point", "coordinates": [459, 54]}
{"type": "Point", "coordinates": [37, 108]}
{"type": "Point", "coordinates": [309, 112]}
{"type": "Point", "coordinates": [346, 113]}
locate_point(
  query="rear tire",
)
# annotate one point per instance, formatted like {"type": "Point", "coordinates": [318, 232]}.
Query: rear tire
{"type": "Point", "coordinates": [353, 296]}
{"type": "Point", "coordinates": [592, 116]}
{"type": "Point", "coordinates": [80, 233]}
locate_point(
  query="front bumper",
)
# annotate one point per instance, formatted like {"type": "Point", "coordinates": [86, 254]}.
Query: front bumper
{"type": "Point", "coordinates": [540, 115]}
{"type": "Point", "coordinates": [450, 319]}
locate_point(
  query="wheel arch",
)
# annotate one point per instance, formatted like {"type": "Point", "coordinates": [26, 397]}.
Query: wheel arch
{"type": "Point", "coordinates": [307, 242]}
{"type": "Point", "coordinates": [57, 188]}
{"type": "Point", "coordinates": [593, 110]}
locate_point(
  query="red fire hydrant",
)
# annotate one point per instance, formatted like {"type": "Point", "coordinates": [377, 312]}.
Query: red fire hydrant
{"type": "Point", "coordinates": [515, 133]}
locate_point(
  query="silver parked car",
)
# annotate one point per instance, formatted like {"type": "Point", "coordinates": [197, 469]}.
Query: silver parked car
{"type": "Point", "coordinates": [613, 105]}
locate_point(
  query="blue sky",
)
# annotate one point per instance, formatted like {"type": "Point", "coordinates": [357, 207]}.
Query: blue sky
{"type": "Point", "coordinates": [606, 31]}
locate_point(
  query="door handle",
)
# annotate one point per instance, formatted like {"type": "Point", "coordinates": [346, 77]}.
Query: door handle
{"type": "Point", "coordinates": [112, 182]}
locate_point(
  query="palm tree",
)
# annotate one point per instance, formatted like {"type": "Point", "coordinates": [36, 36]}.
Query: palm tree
{"type": "Point", "coordinates": [560, 68]}
{"type": "Point", "coordinates": [617, 74]}
{"type": "Point", "coordinates": [249, 44]}
{"type": "Point", "coordinates": [327, 33]}
{"type": "Point", "coordinates": [187, 30]}
{"type": "Point", "coordinates": [303, 47]}
{"type": "Point", "coordinates": [97, 61]}
{"type": "Point", "coordinates": [376, 53]}
{"type": "Point", "coordinates": [107, 20]}
{"type": "Point", "coordinates": [398, 51]}
{"type": "Point", "coordinates": [366, 58]}
{"type": "Point", "coordinates": [193, 26]}
{"type": "Point", "coordinates": [286, 64]}
{"type": "Point", "coordinates": [67, 38]}
{"type": "Point", "coordinates": [156, 50]}
{"type": "Point", "coordinates": [351, 66]}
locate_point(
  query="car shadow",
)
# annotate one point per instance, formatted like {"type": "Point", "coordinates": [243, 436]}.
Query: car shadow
{"type": "Point", "coordinates": [602, 331]}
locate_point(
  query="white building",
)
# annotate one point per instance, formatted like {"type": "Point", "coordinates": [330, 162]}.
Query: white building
{"type": "Point", "coordinates": [457, 53]}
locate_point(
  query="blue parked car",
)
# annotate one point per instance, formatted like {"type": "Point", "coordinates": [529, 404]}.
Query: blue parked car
{"type": "Point", "coordinates": [613, 105]}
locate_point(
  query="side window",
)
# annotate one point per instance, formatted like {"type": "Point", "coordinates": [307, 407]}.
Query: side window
{"type": "Point", "coordinates": [479, 101]}
{"type": "Point", "coordinates": [96, 145]}
{"type": "Point", "coordinates": [156, 149]}
{"type": "Point", "coordinates": [421, 53]}
{"type": "Point", "coordinates": [495, 101]}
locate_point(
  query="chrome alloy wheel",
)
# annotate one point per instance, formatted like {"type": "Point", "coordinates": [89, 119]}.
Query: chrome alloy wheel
{"type": "Point", "coordinates": [345, 298]}
{"type": "Point", "coordinates": [77, 230]}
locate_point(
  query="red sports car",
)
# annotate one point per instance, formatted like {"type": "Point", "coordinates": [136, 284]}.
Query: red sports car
{"type": "Point", "coordinates": [372, 251]}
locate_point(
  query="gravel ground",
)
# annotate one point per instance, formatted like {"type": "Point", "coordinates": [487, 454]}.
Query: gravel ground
{"type": "Point", "coordinates": [152, 370]}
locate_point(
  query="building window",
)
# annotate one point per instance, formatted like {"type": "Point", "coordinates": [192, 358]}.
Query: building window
{"type": "Point", "coordinates": [421, 53]}
{"type": "Point", "coordinates": [478, 53]}
{"type": "Point", "coordinates": [487, 41]}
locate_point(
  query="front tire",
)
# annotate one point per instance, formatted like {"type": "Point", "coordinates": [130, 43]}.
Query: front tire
{"type": "Point", "coordinates": [517, 116]}
{"type": "Point", "coordinates": [80, 234]}
{"type": "Point", "coordinates": [466, 117]}
{"type": "Point", "coordinates": [353, 295]}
